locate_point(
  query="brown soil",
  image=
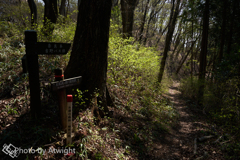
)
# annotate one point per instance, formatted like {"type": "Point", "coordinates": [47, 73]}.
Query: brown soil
{"type": "Point", "coordinates": [176, 144]}
{"type": "Point", "coordinates": [179, 143]}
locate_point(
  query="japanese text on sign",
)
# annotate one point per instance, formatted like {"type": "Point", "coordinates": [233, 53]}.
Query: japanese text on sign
{"type": "Point", "coordinates": [55, 48]}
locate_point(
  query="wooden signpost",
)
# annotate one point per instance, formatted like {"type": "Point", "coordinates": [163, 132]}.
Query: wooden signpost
{"type": "Point", "coordinates": [66, 83]}
{"type": "Point", "coordinates": [60, 86]}
{"type": "Point", "coordinates": [30, 64]}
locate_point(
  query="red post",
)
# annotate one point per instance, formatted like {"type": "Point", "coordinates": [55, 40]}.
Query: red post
{"type": "Point", "coordinates": [61, 99]}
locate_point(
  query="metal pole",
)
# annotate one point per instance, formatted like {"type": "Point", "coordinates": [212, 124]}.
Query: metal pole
{"type": "Point", "coordinates": [69, 119]}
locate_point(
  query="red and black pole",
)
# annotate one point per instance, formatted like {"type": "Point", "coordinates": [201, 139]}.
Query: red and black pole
{"type": "Point", "coordinates": [61, 99]}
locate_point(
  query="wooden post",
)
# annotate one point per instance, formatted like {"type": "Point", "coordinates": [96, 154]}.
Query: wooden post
{"type": "Point", "coordinates": [33, 70]}
{"type": "Point", "coordinates": [69, 119]}
{"type": "Point", "coordinates": [61, 99]}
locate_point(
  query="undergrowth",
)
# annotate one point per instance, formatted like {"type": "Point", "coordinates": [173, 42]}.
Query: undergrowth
{"type": "Point", "coordinates": [140, 118]}
{"type": "Point", "coordinates": [221, 105]}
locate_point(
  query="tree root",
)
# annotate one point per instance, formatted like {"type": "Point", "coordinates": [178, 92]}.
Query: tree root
{"type": "Point", "coordinates": [217, 140]}
{"type": "Point", "coordinates": [205, 155]}
{"type": "Point", "coordinates": [99, 113]}
{"type": "Point", "coordinates": [200, 140]}
{"type": "Point", "coordinates": [109, 99]}
{"type": "Point", "coordinates": [205, 138]}
{"type": "Point", "coordinates": [195, 146]}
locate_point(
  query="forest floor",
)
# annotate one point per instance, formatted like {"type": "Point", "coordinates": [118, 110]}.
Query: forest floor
{"type": "Point", "coordinates": [191, 126]}
{"type": "Point", "coordinates": [174, 142]}
{"type": "Point", "coordinates": [127, 135]}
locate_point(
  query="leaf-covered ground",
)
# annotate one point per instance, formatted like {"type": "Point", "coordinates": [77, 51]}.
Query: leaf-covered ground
{"type": "Point", "coordinates": [128, 134]}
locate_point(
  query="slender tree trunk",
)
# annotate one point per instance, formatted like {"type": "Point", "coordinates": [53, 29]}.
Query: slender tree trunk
{"type": "Point", "coordinates": [168, 40]}
{"type": "Point", "coordinates": [33, 9]}
{"type": "Point", "coordinates": [143, 22]}
{"type": "Point", "coordinates": [191, 73]}
{"type": "Point", "coordinates": [231, 27]}
{"type": "Point", "coordinates": [161, 31]}
{"type": "Point", "coordinates": [127, 10]}
{"type": "Point", "coordinates": [184, 59]}
{"type": "Point", "coordinates": [178, 34]}
{"type": "Point", "coordinates": [62, 8]}
{"type": "Point", "coordinates": [191, 69]}
{"type": "Point", "coordinates": [152, 14]}
{"type": "Point", "coordinates": [90, 49]}
{"type": "Point", "coordinates": [172, 66]}
{"type": "Point", "coordinates": [223, 30]}
{"type": "Point", "coordinates": [148, 24]}
{"type": "Point", "coordinates": [175, 47]}
{"type": "Point", "coordinates": [203, 53]}
{"type": "Point", "coordinates": [181, 48]}
{"type": "Point", "coordinates": [114, 3]}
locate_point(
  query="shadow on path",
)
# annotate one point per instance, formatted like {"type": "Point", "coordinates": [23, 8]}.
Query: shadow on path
{"type": "Point", "coordinates": [191, 125]}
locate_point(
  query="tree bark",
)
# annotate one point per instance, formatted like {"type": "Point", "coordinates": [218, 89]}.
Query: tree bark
{"type": "Point", "coordinates": [143, 22]}
{"type": "Point", "coordinates": [90, 49]}
{"type": "Point", "coordinates": [177, 41]}
{"type": "Point", "coordinates": [180, 48]}
{"type": "Point", "coordinates": [152, 14]}
{"type": "Point", "coordinates": [168, 39]}
{"type": "Point", "coordinates": [50, 15]}
{"type": "Point", "coordinates": [184, 59]}
{"type": "Point", "coordinates": [33, 9]}
{"type": "Point", "coordinates": [114, 3]}
{"type": "Point", "coordinates": [229, 48]}
{"type": "Point", "coordinates": [127, 10]}
{"type": "Point", "coordinates": [223, 30]}
{"type": "Point", "coordinates": [62, 10]}
{"type": "Point", "coordinates": [203, 53]}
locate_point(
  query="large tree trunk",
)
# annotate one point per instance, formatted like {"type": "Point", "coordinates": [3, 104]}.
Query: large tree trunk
{"type": "Point", "coordinates": [127, 10]}
{"type": "Point", "coordinates": [50, 15]}
{"type": "Point", "coordinates": [33, 9]}
{"type": "Point", "coordinates": [203, 53]}
{"type": "Point", "coordinates": [171, 28]}
{"type": "Point", "coordinates": [90, 49]}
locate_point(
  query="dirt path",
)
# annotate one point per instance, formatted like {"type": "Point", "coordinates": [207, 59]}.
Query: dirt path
{"type": "Point", "coordinates": [179, 142]}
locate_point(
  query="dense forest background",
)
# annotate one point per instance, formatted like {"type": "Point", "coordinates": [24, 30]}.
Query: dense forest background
{"type": "Point", "coordinates": [130, 60]}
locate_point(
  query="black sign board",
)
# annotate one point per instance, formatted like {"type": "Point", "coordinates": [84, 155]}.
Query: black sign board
{"type": "Point", "coordinates": [66, 83]}
{"type": "Point", "coordinates": [49, 48]}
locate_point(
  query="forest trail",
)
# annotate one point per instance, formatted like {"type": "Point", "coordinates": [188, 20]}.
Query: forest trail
{"type": "Point", "coordinates": [178, 143]}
